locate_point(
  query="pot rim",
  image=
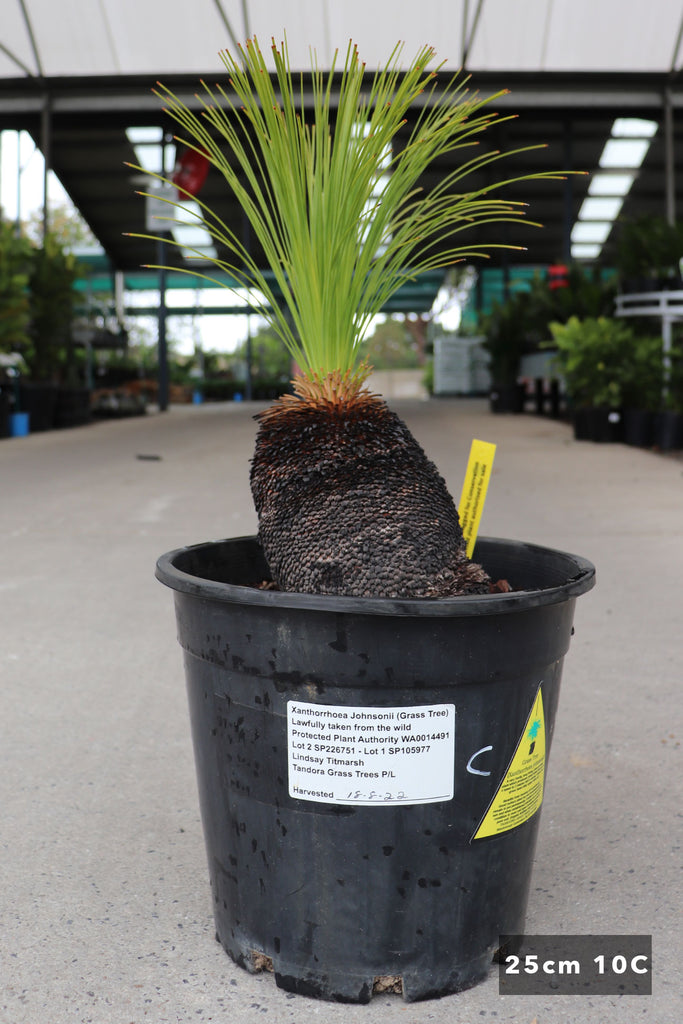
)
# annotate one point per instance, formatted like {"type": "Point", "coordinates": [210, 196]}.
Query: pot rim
{"type": "Point", "coordinates": [580, 579]}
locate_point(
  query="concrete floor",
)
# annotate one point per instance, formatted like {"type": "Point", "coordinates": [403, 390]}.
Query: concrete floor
{"type": "Point", "coordinates": [106, 913]}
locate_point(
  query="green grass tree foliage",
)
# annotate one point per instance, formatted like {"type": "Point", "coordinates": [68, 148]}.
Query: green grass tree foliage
{"type": "Point", "coordinates": [15, 268]}
{"type": "Point", "coordinates": [343, 225]}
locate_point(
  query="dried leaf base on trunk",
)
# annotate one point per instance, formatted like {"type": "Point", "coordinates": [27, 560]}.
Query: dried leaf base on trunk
{"type": "Point", "coordinates": [349, 504]}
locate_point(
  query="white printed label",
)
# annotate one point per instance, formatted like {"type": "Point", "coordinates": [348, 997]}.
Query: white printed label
{"type": "Point", "coordinates": [346, 755]}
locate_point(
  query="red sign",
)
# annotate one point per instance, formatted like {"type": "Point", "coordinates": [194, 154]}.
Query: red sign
{"type": "Point", "coordinates": [190, 173]}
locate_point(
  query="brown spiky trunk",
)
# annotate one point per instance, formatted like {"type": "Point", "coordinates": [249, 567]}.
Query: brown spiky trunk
{"type": "Point", "coordinates": [349, 504]}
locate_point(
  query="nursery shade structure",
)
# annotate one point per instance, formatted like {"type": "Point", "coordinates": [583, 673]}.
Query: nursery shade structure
{"type": "Point", "coordinates": [78, 74]}
{"type": "Point", "coordinates": [55, 38]}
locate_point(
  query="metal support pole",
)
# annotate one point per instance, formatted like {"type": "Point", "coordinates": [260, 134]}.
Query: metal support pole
{"type": "Point", "coordinates": [88, 365]}
{"type": "Point", "coordinates": [46, 145]}
{"type": "Point", "coordinates": [669, 176]}
{"type": "Point", "coordinates": [479, 293]}
{"type": "Point", "coordinates": [667, 333]}
{"type": "Point", "coordinates": [19, 173]}
{"type": "Point", "coordinates": [249, 383]}
{"type": "Point", "coordinates": [568, 196]}
{"type": "Point", "coordinates": [162, 353]}
{"type": "Point", "coordinates": [506, 267]}
{"type": "Point", "coordinates": [162, 349]}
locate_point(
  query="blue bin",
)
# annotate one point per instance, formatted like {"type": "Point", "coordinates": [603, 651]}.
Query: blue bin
{"type": "Point", "coordinates": [18, 424]}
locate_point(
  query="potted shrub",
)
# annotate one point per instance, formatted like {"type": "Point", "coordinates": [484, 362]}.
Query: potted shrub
{"type": "Point", "coordinates": [648, 255]}
{"type": "Point", "coordinates": [595, 357]}
{"type": "Point", "coordinates": [15, 262]}
{"type": "Point", "coordinates": [668, 419]}
{"type": "Point", "coordinates": [506, 342]}
{"type": "Point", "coordinates": [616, 382]}
{"type": "Point", "coordinates": [15, 265]}
{"type": "Point", "coordinates": [642, 387]}
{"type": "Point", "coordinates": [331, 661]}
{"type": "Point", "coordinates": [55, 396]}
{"type": "Point", "coordinates": [520, 326]}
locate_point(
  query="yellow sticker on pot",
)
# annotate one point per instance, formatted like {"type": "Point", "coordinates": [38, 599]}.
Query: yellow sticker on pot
{"type": "Point", "coordinates": [520, 794]}
{"type": "Point", "coordinates": [474, 490]}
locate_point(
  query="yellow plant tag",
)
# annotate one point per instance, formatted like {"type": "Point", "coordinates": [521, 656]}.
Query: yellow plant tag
{"type": "Point", "coordinates": [474, 488]}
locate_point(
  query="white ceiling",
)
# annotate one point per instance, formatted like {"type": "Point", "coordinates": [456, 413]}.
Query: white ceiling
{"type": "Point", "coordinates": [108, 37]}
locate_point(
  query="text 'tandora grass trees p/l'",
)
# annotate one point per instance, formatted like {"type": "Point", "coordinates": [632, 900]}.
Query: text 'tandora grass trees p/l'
{"type": "Point", "coordinates": [347, 501]}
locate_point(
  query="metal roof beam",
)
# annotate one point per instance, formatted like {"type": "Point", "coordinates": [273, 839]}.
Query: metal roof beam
{"type": "Point", "coordinates": [226, 21]}
{"type": "Point", "coordinates": [677, 47]}
{"type": "Point", "coordinates": [32, 39]}
{"type": "Point", "coordinates": [132, 94]}
{"type": "Point", "coordinates": [15, 60]}
{"type": "Point", "coordinates": [469, 32]}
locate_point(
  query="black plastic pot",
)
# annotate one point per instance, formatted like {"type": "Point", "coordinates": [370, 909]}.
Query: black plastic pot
{"type": "Point", "coordinates": [598, 423]}
{"type": "Point", "coordinates": [507, 398]}
{"type": "Point", "coordinates": [39, 400]}
{"type": "Point", "coordinates": [668, 430]}
{"type": "Point", "coordinates": [341, 879]}
{"type": "Point", "coordinates": [582, 424]}
{"type": "Point", "coordinates": [609, 425]}
{"type": "Point", "coordinates": [639, 427]}
{"type": "Point", "coordinates": [5, 410]}
{"type": "Point", "coordinates": [72, 407]}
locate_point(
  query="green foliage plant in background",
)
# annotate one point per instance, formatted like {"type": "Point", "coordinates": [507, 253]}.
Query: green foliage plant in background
{"type": "Point", "coordinates": [15, 269]}
{"type": "Point", "coordinates": [605, 363]}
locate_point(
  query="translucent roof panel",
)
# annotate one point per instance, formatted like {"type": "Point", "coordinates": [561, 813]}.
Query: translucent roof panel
{"type": "Point", "coordinates": [109, 37]}
{"type": "Point", "coordinates": [604, 35]}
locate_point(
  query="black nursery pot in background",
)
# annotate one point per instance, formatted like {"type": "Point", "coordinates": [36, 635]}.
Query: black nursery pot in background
{"type": "Point", "coordinates": [639, 427]}
{"type": "Point", "coordinates": [73, 407]}
{"type": "Point", "coordinates": [39, 400]}
{"type": "Point", "coordinates": [598, 423]}
{"type": "Point", "coordinates": [371, 771]}
{"type": "Point", "coordinates": [668, 430]}
{"type": "Point", "coordinates": [507, 398]}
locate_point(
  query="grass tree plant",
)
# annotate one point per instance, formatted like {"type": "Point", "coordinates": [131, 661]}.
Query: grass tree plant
{"type": "Point", "coordinates": [348, 502]}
